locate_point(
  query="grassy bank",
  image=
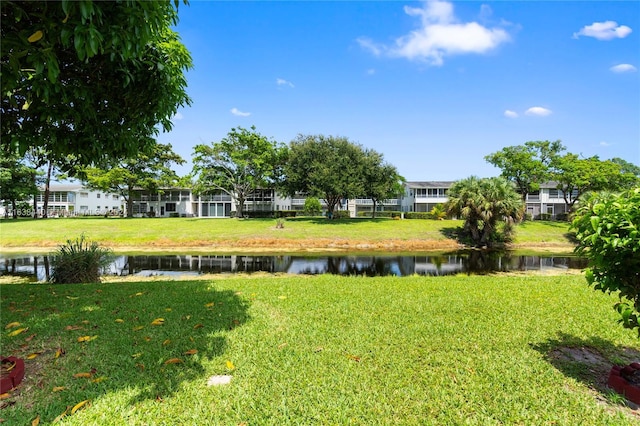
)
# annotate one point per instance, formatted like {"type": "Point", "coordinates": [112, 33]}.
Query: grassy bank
{"type": "Point", "coordinates": [254, 234]}
{"type": "Point", "coordinates": [316, 350]}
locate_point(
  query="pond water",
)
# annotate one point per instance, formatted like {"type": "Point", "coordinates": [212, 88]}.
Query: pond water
{"type": "Point", "coordinates": [37, 267]}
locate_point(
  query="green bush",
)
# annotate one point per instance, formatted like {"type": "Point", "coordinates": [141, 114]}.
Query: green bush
{"type": "Point", "coordinates": [341, 214]}
{"type": "Point", "coordinates": [286, 213]}
{"type": "Point", "coordinates": [608, 231]}
{"type": "Point", "coordinates": [417, 215]}
{"type": "Point", "coordinates": [312, 206]}
{"type": "Point", "coordinates": [80, 261]}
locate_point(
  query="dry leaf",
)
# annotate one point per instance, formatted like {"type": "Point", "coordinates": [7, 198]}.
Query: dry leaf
{"type": "Point", "coordinates": [33, 355]}
{"type": "Point", "coordinates": [35, 36]}
{"type": "Point", "coordinates": [18, 331]}
{"type": "Point", "coordinates": [173, 361]}
{"type": "Point", "coordinates": [86, 338]}
{"type": "Point", "coordinates": [157, 321]}
{"type": "Point", "coordinates": [57, 419]}
{"type": "Point", "coordinates": [147, 338]}
{"type": "Point", "coordinates": [166, 342]}
{"type": "Point", "coordinates": [99, 379]}
{"type": "Point", "coordinates": [82, 375]}
{"type": "Point", "coordinates": [191, 352]}
{"type": "Point", "coordinates": [30, 338]}
{"type": "Point", "coordinates": [59, 353]}
{"type": "Point", "coordinates": [58, 388]}
{"type": "Point", "coordinates": [78, 406]}
{"type": "Point", "coordinates": [11, 325]}
{"type": "Point", "coordinates": [230, 365]}
{"type": "Point", "coordinates": [140, 327]}
{"type": "Point", "coordinates": [119, 320]}
{"type": "Point", "coordinates": [197, 326]}
{"type": "Point", "coordinates": [72, 298]}
{"type": "Point", "coordinates": [167, 309]}
{"type": "Point", "coordinates": [140, 366]}
{"type": "Point", "coordinates": [211, 304]}
{"type": "Point", "coordinates": [354, 358]}
{"type": "Point", "coordinates": [85, 322]}
{"type": "Point", "coordinates": [138, 355]}
{"type": "Point", "coordinates": [5, 395]}
{"type": "Point", "coordinates": [36, 421]}
{"type": "Point", "coordinates": [73, 327]}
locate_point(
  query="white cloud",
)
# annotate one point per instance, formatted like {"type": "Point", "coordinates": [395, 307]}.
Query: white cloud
{"type": "Point", "coordinates": [510, 114]}
{"type": "Point", "coordinates": [538, 111]}
{"type": "Point", "coordinates": [440, 34]}
{"type": "Point", "coordinates": [603, 143]}
{"type": "Point", "coordinates": [237, 112]}
{"type": "Point", "coordinates": [177, 116]}
{"type": "Point", "coordinates": [620, 68]}
{"type": "Point", "coordinates": [607, 30]}
{"type": "Point", "coordinates": [283, 82]}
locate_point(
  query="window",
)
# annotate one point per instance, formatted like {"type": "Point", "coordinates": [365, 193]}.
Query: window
{"type": "Point", "coordinates": [170, 207]}
{"type": "Point", "coordinates": [84, 195]}
{"type": "Point", "coordinates": [98, 195]}
{"type": "Point", "coordinates": [84, 208]}
{"type": "Point", "coordinates": [554, 193]}
{"type": "Point", "coordinates": [115, 197]}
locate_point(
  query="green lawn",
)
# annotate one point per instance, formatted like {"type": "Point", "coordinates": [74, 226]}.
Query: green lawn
{"type": "Point", "coordinates": [316, 350]}
{"type": "Point", "coordinates": [177, 232]}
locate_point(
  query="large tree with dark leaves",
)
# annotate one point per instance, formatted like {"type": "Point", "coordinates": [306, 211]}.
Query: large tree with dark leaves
{"type": "Point", "coordinates": [91, 79]}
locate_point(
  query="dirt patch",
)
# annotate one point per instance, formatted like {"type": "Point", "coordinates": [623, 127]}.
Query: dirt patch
{"type": "Point", "coordinates": [591, 367]}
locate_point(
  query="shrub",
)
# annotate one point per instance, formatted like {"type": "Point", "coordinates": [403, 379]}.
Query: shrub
{"type": "Point", "coordinates": [341, 214]}
{"type": "Point", "coordinates": [312, 206]}
{"type": "Point", "coordinates": [80, 261]}
{"type": "Point", "coordinates": [286, 213]}
{"type": "Point", "coordinates": [608, 233]}
{"type": "Point", "coordinates": [417, 215]}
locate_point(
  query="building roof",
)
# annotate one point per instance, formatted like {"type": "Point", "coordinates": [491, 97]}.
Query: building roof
{"type": "Point", "coordinates": [430, 184]}
{"type": "Point", "coordinates": [68, 187]}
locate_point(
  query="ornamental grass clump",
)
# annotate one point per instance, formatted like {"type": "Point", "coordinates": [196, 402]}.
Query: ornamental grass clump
{"type": "Point", "coordinates": [80, 261]}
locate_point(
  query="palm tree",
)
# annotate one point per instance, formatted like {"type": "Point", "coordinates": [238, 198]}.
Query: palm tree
{"type": "Point", "coordinates": [482, 203]}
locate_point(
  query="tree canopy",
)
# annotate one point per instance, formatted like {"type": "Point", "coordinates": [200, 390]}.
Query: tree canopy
{"type": "Point", "coordinates": [91, 79]}
{"type": "Point", "coordinates": [326, 167]}
{"type": "Point", "coordinates": [381, 180]}
{"type": "Point", "coordinates": [149, 172]}
{"type": "Point", "coordinates": [608, 231]}
{"type": "Point", "coordinates": [527, 166]}
{"type": "Point", "coordinates": [483, 203]}
{"type": "Point", "coordinates": [239, 164]}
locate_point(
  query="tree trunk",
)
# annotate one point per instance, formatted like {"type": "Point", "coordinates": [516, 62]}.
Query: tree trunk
{"type": "Point", "coordinates": [129, 201]}
{"type": "Point", "coordinates": [35, 205]}
{"type": "Point", "coordinates": [239, 207]}
{"type": "Point", "coordinates": [47, 184]}
{"type": "Point", "coordinates": [15, 209]}
{"type": "Point", "coordinates": [373, 215]}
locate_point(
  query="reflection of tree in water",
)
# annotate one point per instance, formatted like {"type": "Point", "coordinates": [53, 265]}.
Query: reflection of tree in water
{"type": "Point", "coordinates": [484, 261]}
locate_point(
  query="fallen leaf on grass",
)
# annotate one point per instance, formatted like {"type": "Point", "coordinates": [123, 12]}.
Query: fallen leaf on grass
{"type": "Point", "coordinates": [33, 355]}
{"type": "Point", "coordinates": [140, 366]}
{"type": "Point", "coordinates": [157, 321]}
{"type": "Point", "coordinates": [147, 338]}
{"type": "Point", "coordinates": [99, 379]}
{"type": "Point", "coordinates": [12, 325]}
{"type": "Point", "coordinates": [86, 338]}
{"type": "Point", "coordinates": [82, 375]}
{"type": "Point", "coordinates": [58, 388]}
{"type": "Point", "coordinates": [166, 342]}
{"type": "Point", "coordinates": [18, 331]}
{"type": "Point", "coordinates": [78, 406]}
{"type": "Point", "coordinates": [197, 326]}
{"type": "Point", "coordinates": [5, 395]}
{"type": "Point", "coordinates": [57, 419]}
{"type": "Point", "coordinates": [173, 361]}
{"type": "Point", "coordinates": [73, 327]}
{"type": "Point", "coordinates": [30, 338]}
{"type": "Point", "coordinates": [230, 365]}
{"type": "Point", "coordinates": [209, 305]}
{"type": "Point", "coordinates": [119, 320]}
{"type": "Point", "coordinates": [138, 355]}
{"type": "Point", "coordinates": [354, 358]}
{"type": "Point", "coordinates": [191, 352]}
{"type": "Point", "coordinates": [73, 298]}
{"type": "Point", "coordinates": [167, 309]}
{"type": "Point", "coordinates": [59, 353]}
{"type": "Point", "coordinates": [36, 421]}
{"type": "Point", "coordinates": [138, 328]}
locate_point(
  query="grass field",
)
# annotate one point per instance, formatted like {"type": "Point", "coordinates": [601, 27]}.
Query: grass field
{"type": "Point", "coordinates": [317, 350]}
{"type": "Point", "coordinates": [298, 233]}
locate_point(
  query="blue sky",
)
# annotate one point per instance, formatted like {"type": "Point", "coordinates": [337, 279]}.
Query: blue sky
{"type": "Point", "coordinates": [433, 86]}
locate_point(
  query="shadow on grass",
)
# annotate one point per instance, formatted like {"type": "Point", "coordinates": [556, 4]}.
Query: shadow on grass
{"type": "Point", "coordinates": [129, 354]}
{"type": "Point", "coordinates": [586, 360]}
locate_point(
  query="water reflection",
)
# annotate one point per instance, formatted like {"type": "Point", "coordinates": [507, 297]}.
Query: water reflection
{"type": "Point", "coordinates": [473, 262]}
